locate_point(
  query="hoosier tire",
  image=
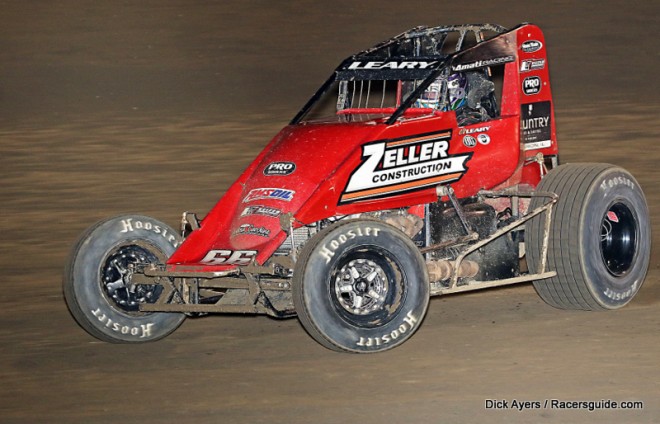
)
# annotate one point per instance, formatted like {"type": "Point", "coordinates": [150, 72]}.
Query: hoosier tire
{"type": "Point", "coordinates": [360, 286]}
{"type": "Point", "coordinates": [600, 237]}
{"type": "Point", "coordinates": [95, 278]}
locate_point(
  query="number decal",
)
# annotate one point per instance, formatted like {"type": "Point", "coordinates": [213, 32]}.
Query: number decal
{"type": "Point", "coordinates": [229, 257]}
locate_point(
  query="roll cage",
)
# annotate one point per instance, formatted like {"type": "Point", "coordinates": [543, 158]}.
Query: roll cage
{"type": "Point", "coordinates": [411, 62]}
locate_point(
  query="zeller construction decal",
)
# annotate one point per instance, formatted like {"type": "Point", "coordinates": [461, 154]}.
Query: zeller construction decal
{"type": "Point", "coordinates": [405, 164]}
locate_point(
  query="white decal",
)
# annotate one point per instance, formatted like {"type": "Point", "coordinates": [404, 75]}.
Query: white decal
{"type": "Point", "coordinates": [393, 166]}
{"type": "Point", "coordinates": [144, 330]}
{"type": "Point", "coordinates": [538, 145]}
{"type": "Point", "coordinates": [483, 139]}
{"type": "Point", "coordinates": [229, 257]}
{"type": "Point", "coordinates": [531, 46]}
{"type": "Point", "coordinates": [535, 123]}
{"type": "Point", "coordinates": [531, 85]}
{"type": "Point", "coordinates": [251, 230]}
{"type": "Point", "coordinates": [280, 168]}
{"type": "Point", "coordinates": [328, 250]}
{"type": "Point", "coordinates": [391, 65]}
{"type": "Point", "coordinates": [482, 63]}
{"type": "Point", "coordinates": [409, 319]}
{"type": "Point", "coordinates": [532, 65]}
{"type": "Point", "coordinates": [261, 210]}
{"type": "Point", "coordinates": [130, 225]}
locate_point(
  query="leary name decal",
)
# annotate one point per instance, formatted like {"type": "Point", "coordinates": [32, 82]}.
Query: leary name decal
{"type": "Point", "coordinates": [391, 64]}
{"type": "Point", "coordinates": [405, 164]}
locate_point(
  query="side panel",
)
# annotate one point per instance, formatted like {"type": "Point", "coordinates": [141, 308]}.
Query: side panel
{"type": "Point", "coordinates": [538, 132]}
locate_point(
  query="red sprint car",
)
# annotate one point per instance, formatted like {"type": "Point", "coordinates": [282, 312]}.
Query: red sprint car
{"type": "Point", "coordinates": [425, 165]}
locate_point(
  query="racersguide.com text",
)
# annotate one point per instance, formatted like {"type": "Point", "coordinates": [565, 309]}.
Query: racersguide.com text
{"type": "Point", "coordinates": [558, 404]}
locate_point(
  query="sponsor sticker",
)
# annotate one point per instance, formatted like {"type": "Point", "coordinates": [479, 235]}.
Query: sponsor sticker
{"type": "Point", "coordinates": [269, 193]}
{"type": "Point", "coordinates": [469, 141]}
{"type": "Point", "coordinates": [391, 64]}
{"type": "Point", "coordinates": [279, 168]}
{"type": "Point", "coordinates": [531, 46]}
{"type": "Point", "coordinates": [483, 139]}
{"type": "Point", "coordinates": [536, 125]}
{"type": "Point", "coordinates": [404, 164]}
{"type": "Point", "coordinates": [532, 65]}
{"type": "Point", "coordinates": [531, 85]}
{"type": "Point", "coordinates": [261, 210]}
{"type": "Point", "coordinates": [482, 63]}
{"type": "Point", "coordinates": [473, 130]}
{"type": "Point", "coordinates": [229, 257]}
{"type": "Point", "coordinates": [251, 230]}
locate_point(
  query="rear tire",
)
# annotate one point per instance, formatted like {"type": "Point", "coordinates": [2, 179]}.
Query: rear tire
{"type": "Point", "coordinates": [600, 237]}
{"type": "Point", "coordinates": [96, 273]}
{"type": "Point", "coordinates": [360, 286]}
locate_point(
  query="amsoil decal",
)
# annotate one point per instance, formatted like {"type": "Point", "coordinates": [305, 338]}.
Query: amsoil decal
{"type": "Point", "coordinates": [269, 193]}
{"type": "Point", "coordinates": [404, 164]}
{"type": "Point", "coordinates": [536, 125]}
{"type": "Point", "coordinates": [531, 85]}
{"type": "Point", "coordinates": [261, 210]}
{"type": "Point", "coordinates": [482, 63]}
{"type": "Point", "coordinates": [279, 168]}
{"type": "Point", "coordinates": [391, 64]}
{"type": "Point", "coordinates": [532, 65]}
{"type": "Point", "coordinates": [531, 46]}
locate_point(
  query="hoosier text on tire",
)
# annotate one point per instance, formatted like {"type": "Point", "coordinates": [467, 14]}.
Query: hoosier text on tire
{"type": "Point", "coordinates": [600, 237]}
{"type": "Point", "coordinates": [360, 286]}
{"type": "Point", "coordinates": [96, 279]}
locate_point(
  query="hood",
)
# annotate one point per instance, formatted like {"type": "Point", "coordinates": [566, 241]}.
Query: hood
{"type": "Point", "coordinates": [281, 180]}
{"type": "Point", "coordinates": [288, 174]}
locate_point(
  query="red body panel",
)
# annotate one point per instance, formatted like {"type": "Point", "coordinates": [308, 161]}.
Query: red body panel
{"type": "Point", "coordinates": [319, 170]}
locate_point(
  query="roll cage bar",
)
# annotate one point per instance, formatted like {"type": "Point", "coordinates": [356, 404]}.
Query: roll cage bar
{"type": "Point", "coordinates": [420, 53]}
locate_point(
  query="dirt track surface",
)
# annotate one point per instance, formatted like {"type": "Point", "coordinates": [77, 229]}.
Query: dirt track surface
{"type": "Point", "coordinates": [156, 106]}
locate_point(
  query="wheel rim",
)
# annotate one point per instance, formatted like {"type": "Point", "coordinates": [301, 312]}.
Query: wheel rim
{"type": "Point", "coordinates": [361, 286]}
{"type": "Point", "coordinates": [116, 275]}
{"type": "Point", "coordinates": [618, 239]}
{"type": "Point", "coordinates": [366, 287]}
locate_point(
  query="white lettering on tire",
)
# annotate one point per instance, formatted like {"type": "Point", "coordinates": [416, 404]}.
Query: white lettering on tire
{"type": "Point", "coordinates": [613, 182]}
{"type": "Point", "coordinates": [408, 325]}
{"type": "Point", "coordinates": [328, 249]}
{"type": "Point", "coordinates": [130, 225]}
{"type": "Point", "coordinates": [143, 331]}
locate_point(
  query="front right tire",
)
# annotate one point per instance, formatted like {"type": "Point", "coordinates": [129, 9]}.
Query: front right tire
{"type": "Point", "coordinates": [360, 286]}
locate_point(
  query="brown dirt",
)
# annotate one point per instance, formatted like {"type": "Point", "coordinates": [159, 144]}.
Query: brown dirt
{"type": "Point", "coordinates": [156, 106]}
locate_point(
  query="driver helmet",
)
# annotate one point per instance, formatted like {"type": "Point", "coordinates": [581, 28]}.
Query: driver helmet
{"type": "Point", "coordinates": [457, 87]}
{"type": "Point", "coordinates": [431, 96]}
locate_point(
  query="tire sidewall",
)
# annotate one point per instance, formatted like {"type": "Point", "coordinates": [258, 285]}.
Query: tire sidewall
{"type": "Point", "coordinates": [107, 321]}
{"type": "Point", "coordinates": [614, 186]}
{"type": "Point", "coordinates": [322, 263]}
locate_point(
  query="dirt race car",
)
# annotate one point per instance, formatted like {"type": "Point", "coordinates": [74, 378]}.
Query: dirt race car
{"type": "Point", "coordinates": [425, 165]}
